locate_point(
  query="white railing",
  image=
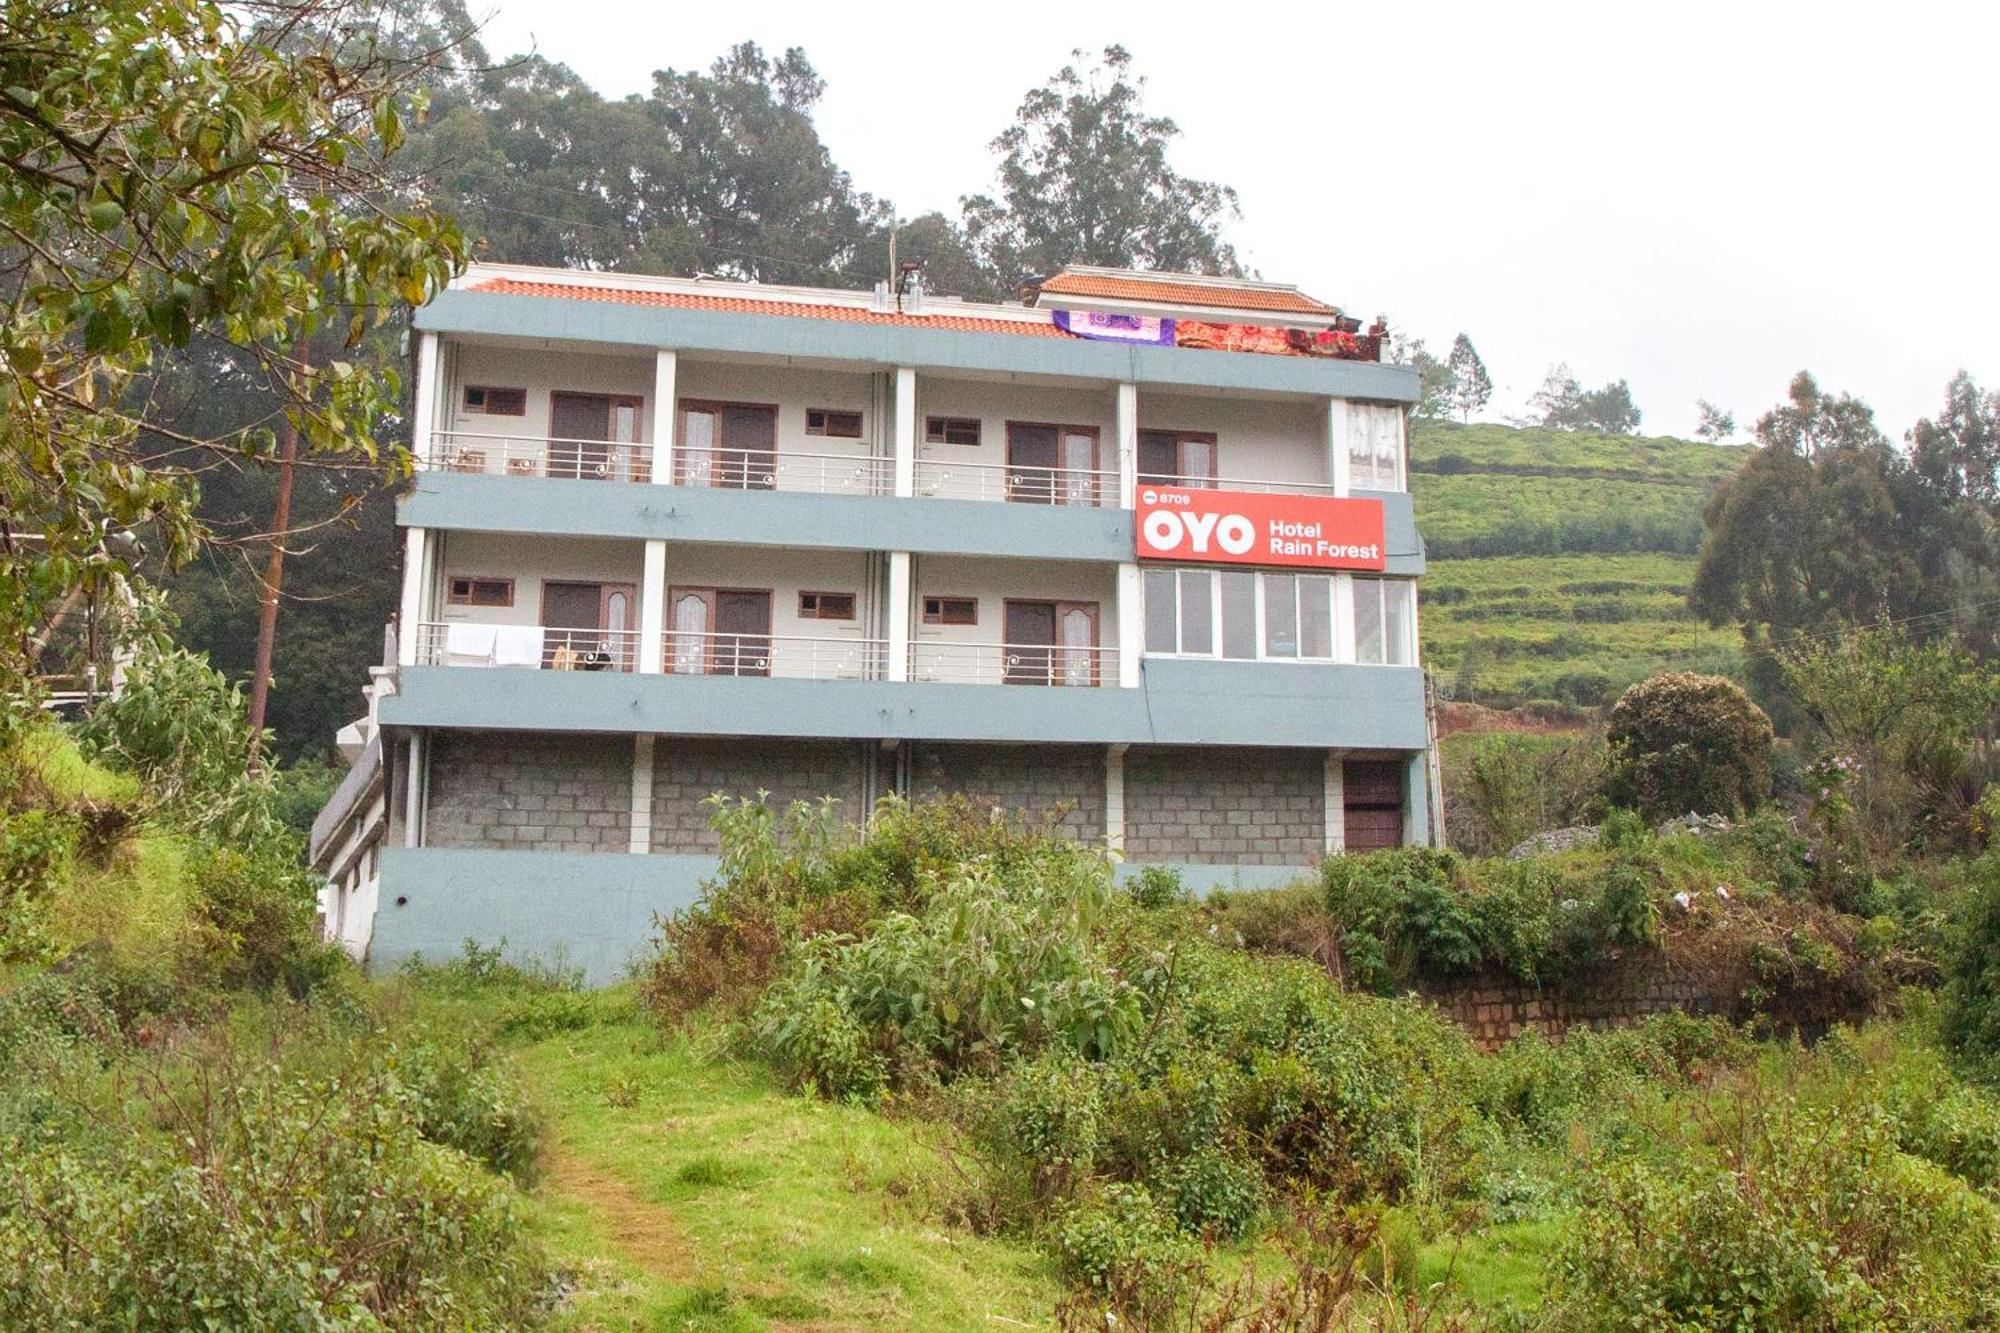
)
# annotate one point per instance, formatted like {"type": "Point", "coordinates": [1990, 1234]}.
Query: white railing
{"type": "Point", "coordinates": [1239, 484]}
{"type": "Point", "coordinates": [822, 474]}
{"type": "Point", "coordinates": [1012, 664]}
{"type": "Point", "coordinates": [1023, 485]}
{"type": "Point", "coordinates": [547, 648]}
{"type": "Point", "coordinates": [535, 456]}
{"type": "Point", "coordinates": [795, 656]}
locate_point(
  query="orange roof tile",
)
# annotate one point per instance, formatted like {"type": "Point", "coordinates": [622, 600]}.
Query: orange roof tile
{"type": "Point", "coordinates": [746, 306]}
{"type": "Point", "coordinates": [1165, 291]}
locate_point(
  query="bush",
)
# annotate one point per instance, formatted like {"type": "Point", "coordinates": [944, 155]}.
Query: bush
{"type": "Point", "coordinates": [462, 1097]}
{"type": "Point", "coordinates": [260, 923]}
{"type": "Point", "coordinates": [1156, 887]}
{"type": "Point", "coordinates": [1682, 742]}
{"type": "Point", "coordinates": [1777, 1215]}
{"type": "Point", "coordinates": [1971, 1011]}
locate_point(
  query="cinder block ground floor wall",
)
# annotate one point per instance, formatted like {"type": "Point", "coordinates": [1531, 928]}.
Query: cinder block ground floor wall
{"type": "Point", "coordinates": [523, 791]}
{"type": "Point", "coordinates": [1218, 805]}
{"type": "Point", "coordinates": [1061, 785]}
{"type": "Point", "coordinates": [688, 770]}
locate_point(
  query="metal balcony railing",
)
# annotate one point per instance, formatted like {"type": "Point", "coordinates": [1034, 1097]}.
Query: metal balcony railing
{"type": "Point", "coordinates": [795, 656]}
{"type": "Point", "coordinates": [547, 648]}
{"type": "Point", "coordinates": [532, 456]}
{"type": "Point", "coordinates": [1022, 485]}
{"type": "Point", "coordinates": [819, 474]}
{"type": "Point", "coordinates": [1012, 664]}
{"type": "Point", "coordinates": [1263, 487]}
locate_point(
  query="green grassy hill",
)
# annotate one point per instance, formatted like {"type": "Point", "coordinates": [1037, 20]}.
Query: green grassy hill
{"type": "Point", "coordinates": [1560, 562]}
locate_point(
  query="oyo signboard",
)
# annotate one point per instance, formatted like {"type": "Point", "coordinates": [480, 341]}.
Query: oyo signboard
{"type": "Point", "coordinates": [1246, 528]}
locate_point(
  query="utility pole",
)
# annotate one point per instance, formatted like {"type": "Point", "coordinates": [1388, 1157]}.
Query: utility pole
{"type": "Point", "coordinates": [274, 578]}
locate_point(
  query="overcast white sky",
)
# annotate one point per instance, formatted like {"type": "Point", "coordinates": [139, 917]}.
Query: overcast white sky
{"type": "Point", "coordinates": [1700, 198]}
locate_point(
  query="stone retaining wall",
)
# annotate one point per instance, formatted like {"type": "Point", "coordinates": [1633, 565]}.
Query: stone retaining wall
{"type": "Point", "coordinates": [1497, 1011]}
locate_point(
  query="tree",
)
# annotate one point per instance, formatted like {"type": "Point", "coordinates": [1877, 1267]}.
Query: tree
{"type": "Point", "coordinates": [1433, 376]}
{"type": "Point", "coordinates": [1958, 451]}
{"type": "Point", "coordinates": [1470, 384]}
{"type": "Point", "coordinates": [1682, 742]}
{"type": "Point", "coordinates": [1714, 425]}
{"type": "Point", "coordinates": [1564, 404]}
{"type": "Point", "coordinates": [170, 180]}
{"type": "Point", "coordinates": [1084, 179]}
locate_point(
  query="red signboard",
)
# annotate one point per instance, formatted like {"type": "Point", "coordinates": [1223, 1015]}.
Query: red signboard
{"type": "Point", "coordinates": [1246, 528]}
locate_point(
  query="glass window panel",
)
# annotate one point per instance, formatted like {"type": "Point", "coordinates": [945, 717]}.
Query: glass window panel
{"type": "Point", "coordinates": [1396, 622]}
{"type": "Point", "coordinates": [1157, 463]}
{"type": "Point", "coordinates": [1160, 617]}
{"type": "Point", "coordinates": [1197, 611]}
{"type": "Point", "coordinates": [1368, 620]}
{"type": "Point", "coordinates": [1198, 462]}
{"type": "Point", "coordinates": [1239, 615]}
{"type": "Point", "coordinates": [1315, 616]}
{"type": "Point", "coordinates": [1281, 615]}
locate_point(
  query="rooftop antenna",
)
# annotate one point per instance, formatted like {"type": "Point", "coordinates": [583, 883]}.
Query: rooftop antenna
{"type": "Point", "coordinates": [909, 281]}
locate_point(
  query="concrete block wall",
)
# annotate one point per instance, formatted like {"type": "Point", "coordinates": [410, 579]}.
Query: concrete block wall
{"type": "Point", "coordinates": [1036, 779]}
{"type": "Point", "coordinates": [686, 771]}
{"type": "Point", "coordinates": [518, 791]}
{"type": "Point", "coordinates": [1496, 1012]}
{"type": "Point", "coordinates": [1225, 806]}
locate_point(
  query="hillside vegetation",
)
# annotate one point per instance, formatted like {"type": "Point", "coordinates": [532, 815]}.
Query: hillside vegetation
{"type": "Point", "coordinates": [1560, 561]}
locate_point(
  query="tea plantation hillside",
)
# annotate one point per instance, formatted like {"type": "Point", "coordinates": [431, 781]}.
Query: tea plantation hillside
{"type": "Point", "coordinates": [1560, 562]}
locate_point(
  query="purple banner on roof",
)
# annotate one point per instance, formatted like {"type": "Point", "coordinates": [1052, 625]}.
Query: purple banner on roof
{"type": "Point", "coordinates": [1116, 328]}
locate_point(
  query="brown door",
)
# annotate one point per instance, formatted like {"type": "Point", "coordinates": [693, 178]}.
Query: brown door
{"type": "Point", "coordinates": [1032, 460]}
{"type": "Point", "coordinates": [1050, 643]}
{"type": "Point", "coordinates": [589, 434]}
{"type": "Point", "coordinates": [742, 633]}
{"type": "Point", "coordinates": [729, 444]}
{"type": "Point", "coordinates": [1372, 793]}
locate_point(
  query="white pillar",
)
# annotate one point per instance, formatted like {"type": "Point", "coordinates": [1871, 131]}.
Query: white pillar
{"type": "Point", "coordinates": [1114, 800]}
{"type": "Point", "coordinates": [1126, 422]}
{"type": "Point", "coordinates": [906, 434]}
{"type": "Point", "coordinates": [899, 615]}
{"type": "Point", "coordinates": [1336, 803]}
{"type": "Point", "coordinates": [642, 795]}
{"type": "Point", "coordinates": [653, 609]}
{"type": "Point", "coordinates": [1340, 467]}
{"type": "Point", "coordinates": [666, 366]}
{"type": "Point", "coordinates": [413, 794]}
{"type": "Point", "coordinates": [424, 414]}
{"type": "Point", "coordinates": [1131, 624]}
{"type": "Point", "coordinates": [416, 580]}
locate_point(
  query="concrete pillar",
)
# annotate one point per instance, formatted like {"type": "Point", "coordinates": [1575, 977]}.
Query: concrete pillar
{"type": "Point", "coordinates": [413, 793]}
{"type": "Point", "coordinates": [906, 431]}
{"type": "Point", "coordinates": [1125, 417]}
{"type": "Point", "coordinates": [1416, 805]}
{"type": "Point", "coordinates": [1131, 624]}
{"type": "Point", "coordinates": [416, 586]}
{"type": "Point", "coordinates": [1114, 800]}
{"type": "Point", "coordinates": [1336, 803]}
{"type": "Point", "coordinates": [1343, 618]}
{"type": "Point", "coordinates": [642, 795]}
{"type": "Point", "coordinates": [430, 389]}
{"type": "Point", "coordinates": [653, 609]}
{"type": "Point", "coordinates": [1340, 469]}
{"type": "Point", "coordinates": [899, 615]}
{"type": "Point", "coordinates": [666, 412]}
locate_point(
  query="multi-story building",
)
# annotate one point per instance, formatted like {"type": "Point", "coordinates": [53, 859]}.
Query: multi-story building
{"type": "Point", "coordinates": [1135, 554]}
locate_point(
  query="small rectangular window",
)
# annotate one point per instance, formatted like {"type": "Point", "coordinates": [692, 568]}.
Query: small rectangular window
{"type": "Point", "coordinates": [826, 606]}
{"type": "Point", "coordinates": [481, 592]}
{"type": "Point", "coordinates": [951, 430]}
{"type": "Point", "coordinates": [830, 422]}
{"type": "Point", "coordinates": [486, 400]}
{"type": "Point", "coordinates": [1162, 618]}
{"type": "Point", "coordinates": [951, 611]}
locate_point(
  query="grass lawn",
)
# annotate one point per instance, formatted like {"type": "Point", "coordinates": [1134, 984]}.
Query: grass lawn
{"type": "Point", "coordinates": [688, 1191]}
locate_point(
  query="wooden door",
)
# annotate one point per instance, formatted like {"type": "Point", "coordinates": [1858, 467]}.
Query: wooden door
{"type": "Point", "coordinates": [590, 434]}
{"type": "Point", "coordinates": [1032, 460]}
{"type": "Point", "coordinates": [571, 615]}
{"type": "Point", "coordinates": [742, 633]}
{"type": "Point", "coordinates": [1079, 462]}
{"type": "Point", "coordinates": [733, 445]}
{"type": "Point", "coordinates": [618, 617]}
{"type": "Point", "coordinates": [1076, 632]}
{"type": "Point", "coordinates": [690, 611]}
{"type": "Point", "coordinates": [1030, 632]}
{"type": "Point", "coordinates": [1372, 794]}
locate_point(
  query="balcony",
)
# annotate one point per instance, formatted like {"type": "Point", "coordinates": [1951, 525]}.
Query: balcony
{"type": "Point", "coordinates": [788, 656]}
{"type": "Point", "coordinates": [1012, 664]}
{"type": "Point", "coordinates": [1261, 487]}
{"type": "Point", "coordinates": [462, 643]}
{"type": "Point", "coordinates": [490, 454]}
{"type": "Point", "coordinates": [809, 473]}
{"type": "Point", "coordinates": [1088, 487]}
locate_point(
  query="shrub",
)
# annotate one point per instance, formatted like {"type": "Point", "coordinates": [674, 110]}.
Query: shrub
{"type": "Point", "coordinates": [1971, 1011]}
{"type": "Point", "coordinates": [1124, 1239]}
{"type": "Point", "coordinates": [1157, 886]}
{"type": "Point", "coordinates": [260, 925]}
{"type": "Point", "coordinates": [1684, 742]}
{"type": "Point", "coordinates": [461, 1096]}
{"type": "Point", "coordinates": [1777, 1215]}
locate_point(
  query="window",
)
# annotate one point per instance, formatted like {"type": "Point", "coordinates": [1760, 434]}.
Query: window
{"type": "Point", "coordinates": [1375, 446]}
{"type": "Point", "coordinates": [951, 611]}
{"type": "Point", "coordinates": [827, 421]}
{"type": "Point", "coordinates": [1176, 458]}
{"type": "Point", "coordinates": [1239, 615]}
{"type": "Point", "coordinates": [951, 430]}
{"type": "Point", "coordinates": [485, 400]}
{"type": "Point", "coordinates": [1382, 621]}
{"type": "Point", "coordinates": [826, 606]}
{"type": "Point", "coordinates": [470, 591]}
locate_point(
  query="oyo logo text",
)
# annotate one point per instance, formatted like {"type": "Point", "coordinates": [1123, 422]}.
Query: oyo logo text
{"type": "Point", "coordinates": [1174, 533]}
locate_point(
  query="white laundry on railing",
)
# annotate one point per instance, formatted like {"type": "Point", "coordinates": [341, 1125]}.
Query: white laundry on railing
{"type": "Point", "coordinates": [468, 645]}
{"type": "Point", "coordinates": [517, 645]}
